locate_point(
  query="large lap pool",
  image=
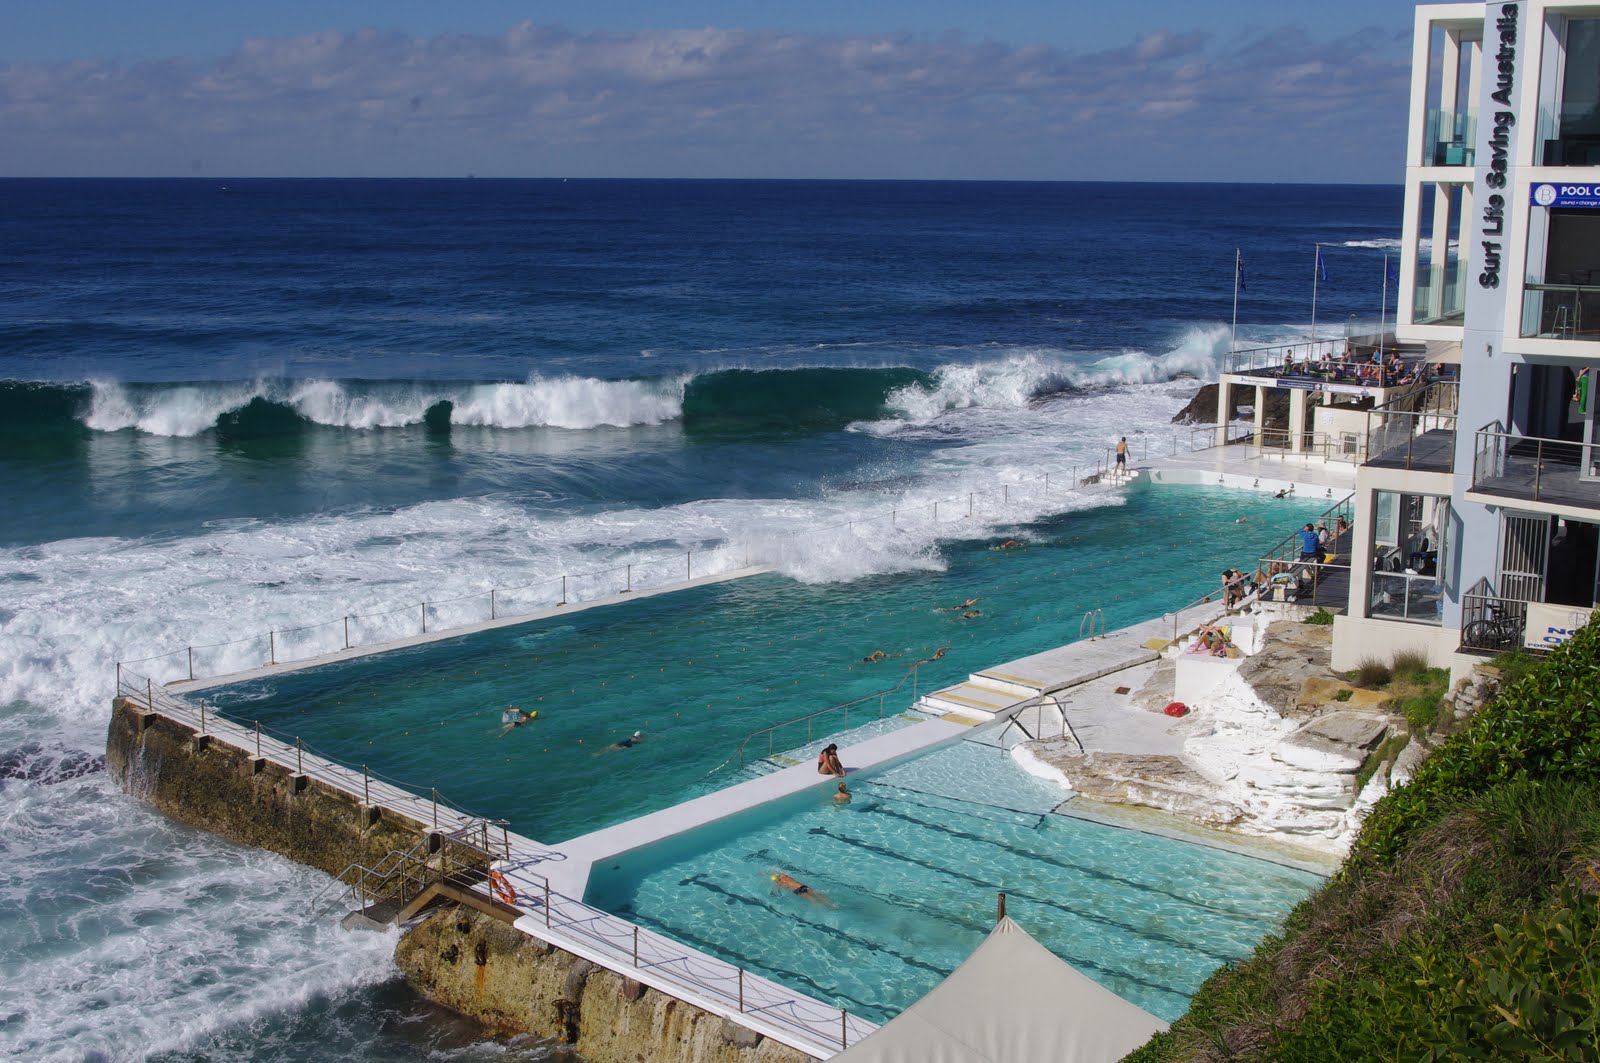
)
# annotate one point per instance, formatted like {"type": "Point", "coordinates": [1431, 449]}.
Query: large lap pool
{"type": "Point", "coordinates": [911, 867]}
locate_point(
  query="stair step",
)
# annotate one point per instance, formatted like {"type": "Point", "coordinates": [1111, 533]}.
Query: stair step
{"type": "Point", "coordinates": [373, 917]}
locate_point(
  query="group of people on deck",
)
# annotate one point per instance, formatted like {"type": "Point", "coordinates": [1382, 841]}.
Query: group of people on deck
{"type": "Point", "coordinates": [1316, 542]}
{"type": "Point", "coordinates": [1378, 370]}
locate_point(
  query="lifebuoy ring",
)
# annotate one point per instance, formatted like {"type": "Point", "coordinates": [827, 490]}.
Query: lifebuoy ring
{"type": "Point", "coordinates": [501, 888]}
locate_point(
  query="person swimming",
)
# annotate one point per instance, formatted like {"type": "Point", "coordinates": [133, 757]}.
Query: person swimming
{"type": "Point", "coordinates": [514, 717]}
{"type": "Point", "coordinates": [968, 604]}
{"type": "Point", "coordinates": [627, 743]}
{"type": "Point", "coordinates": [843, 795]}
{"type": "Point", "coordinates": [874, 657]}
{"type": "Point", "coordinates": [800, 889]}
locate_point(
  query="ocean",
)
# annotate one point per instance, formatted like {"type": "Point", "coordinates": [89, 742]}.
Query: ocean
{"type": "Point", "coordinates": [234, 405]}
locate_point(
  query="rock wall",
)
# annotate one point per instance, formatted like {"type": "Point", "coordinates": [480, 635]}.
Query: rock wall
{"type": "Point", "coordinates": [481, 967]}
{"type": "Point", "coordinates": [206, 783]}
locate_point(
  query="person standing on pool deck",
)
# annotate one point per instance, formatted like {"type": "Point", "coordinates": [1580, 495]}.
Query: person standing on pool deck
{"type": "Point", "coordinates": [1122, 452]}
{"type": "Point", "coordinates": [828, 762]}
{"type": "Point", "coordinates": [1310, 548]}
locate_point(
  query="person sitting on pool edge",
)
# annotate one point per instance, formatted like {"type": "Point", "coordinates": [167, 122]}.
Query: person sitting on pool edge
{"type": "Point", "coordinates": [800, 889]}
{"type": "Point", "coordinates": [828, 762]}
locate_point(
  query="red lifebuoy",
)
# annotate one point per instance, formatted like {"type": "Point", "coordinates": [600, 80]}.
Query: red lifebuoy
{"type": "Point", "coordinates": [501, 888]}
{"type": "Point", "coordinates": [1176, 708]}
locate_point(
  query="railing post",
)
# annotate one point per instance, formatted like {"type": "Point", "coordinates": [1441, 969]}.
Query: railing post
{"type": "Point", "coordinates": [347, 632]}
{"type": "Point", "coordinates": [424, 618]}
{"type": "Point", "coordinates": [258, 739]}
{"type": "Point", "coordinates": [630, 579]}
{"type": "Point", "coordinates": [547, 902]}
{"type": "Point", "coordinates": [149, 694]}
{"type": "Point", "coordinates": [1538, 468]}
{"type": "Point", "coordinates": [436, 808]}
{"type": "Point", "coordinates": [491, 603]}
{"type": "Point", "coordinates": [688, 565]}
{"type": "Point", "coordinates": [636, 946]}
{"type": "Point", "coordinates": [969, 503]}
{"type": "Point", "coordinates": [1005, 494]}
{"type": "Point", "coordinates": [741, 990]}
{"type": "Point", "coordinates": [119, 679]}
{"type": "Point", "coordinates": [202, 715]}
{"type": "Point", "coordinates": [563, 590]}
{"type": "Point", "coordinates": [936, 513]}
{"type": "Point", "coordinates": [299, 757]}
{"type": "Point", "coordinates": [366, 787]}
{"type": "Point", "coordinates": [1047, 485]}
{"type": "Point", "coordinates": [844, 1029]}
{"type": "Point", "coordinates": [272, 647]}
{"type": "Point", "coordinates": [894, 518]}
{"type": "Point", "coordinates": [191, 663]}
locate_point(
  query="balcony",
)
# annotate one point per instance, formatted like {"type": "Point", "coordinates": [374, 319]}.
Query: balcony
{"type": "Point", "coordinates": [1439, 297]}
{"type": "Point", "coordinates": [1448, 138]}
{"type": "Point", "coordinates": [1556, 472]}
{"type": "Point", "coordinates": [1561, 311]}
{"type": "Point", "coordinates": [1415, 431]}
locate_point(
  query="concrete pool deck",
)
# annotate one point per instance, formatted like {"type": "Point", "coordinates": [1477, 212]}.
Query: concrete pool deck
{"type": "Point", "coordinates": [571, 876]}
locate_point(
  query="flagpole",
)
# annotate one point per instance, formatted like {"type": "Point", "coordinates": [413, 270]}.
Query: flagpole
{"type": "Point", "coordinates": [1383, 314]}
{"type": "Point", "coordinates": [1238, 262]}
{"type": "Point", "coordinates": [1316, 268]}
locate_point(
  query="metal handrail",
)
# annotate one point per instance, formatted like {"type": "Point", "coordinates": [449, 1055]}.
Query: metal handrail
{"type": "Point", "coordinates": [1499, 450]}
{"type": "Point", "coordinates": [1090, 618]}
{"type": "Point", "coordinates": [1438, 401]}
{"type": "Point", "coordinates": [771, 730]}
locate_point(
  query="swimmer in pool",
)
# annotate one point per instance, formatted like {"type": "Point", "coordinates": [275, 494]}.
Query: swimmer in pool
{"type": "Point", "coordinates": [800, 889]}
{"type": "Point", "coordinates": [627, 743]}
{"type": "Point", "coordinates": [968, 604]}
{"type": "Point", "coordinates": [874, 657]}
{"type": "Point", "coordinates": [843, 796]}
{"type": "Point", "coordinates": [514, 717]}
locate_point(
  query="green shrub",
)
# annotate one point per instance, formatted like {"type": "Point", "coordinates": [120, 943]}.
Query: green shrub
{"type": "Point", "coordinates": [1515, 664]}
{"type": "Point", "coordinates": [1344, 694]}
{"type": "Point", "coordinates": [1546, 724]}
{"type": "Point", "coordinates": [1421, 712]}
{"type": "Point", "coordinates": [1371, 673]}
{"type": "Point", "coordinates": [1407, 664]}
{"type": "Point", "coordinates": [1321, 617]}
{"type": "Point", "coordinates": [1384, 754]}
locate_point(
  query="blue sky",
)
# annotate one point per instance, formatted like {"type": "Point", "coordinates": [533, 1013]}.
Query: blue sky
{"type": "Point", "coordinates": [1129, 90]}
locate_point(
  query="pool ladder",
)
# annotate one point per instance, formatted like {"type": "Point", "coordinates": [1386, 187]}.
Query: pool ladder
{"type": "Point", "coordinates": [1090, 619]}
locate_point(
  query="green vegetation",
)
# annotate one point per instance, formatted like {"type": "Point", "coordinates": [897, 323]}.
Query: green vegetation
{"type": "Point", "coordinates": [1371, 673]}
{"type": "Point", "coordinates": [1321, 617]}
{"type": "Point", "coordinates": [1344, 695]}
{"type": "Point", "coordinates": [1465, 924]}
{"type": "Point", "coordinates": [1384, 754]}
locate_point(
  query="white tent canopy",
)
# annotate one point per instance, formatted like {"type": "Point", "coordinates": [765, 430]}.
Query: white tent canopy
{"type": "Point", "coordinates": [1011, 1001]}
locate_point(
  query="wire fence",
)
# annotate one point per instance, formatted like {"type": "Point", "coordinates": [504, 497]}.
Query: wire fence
{"type": "Point", "coordinates": [723, 988]}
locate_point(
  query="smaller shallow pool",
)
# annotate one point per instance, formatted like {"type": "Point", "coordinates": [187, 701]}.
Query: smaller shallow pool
{"type": "Point", "coordinates": [910, 869]}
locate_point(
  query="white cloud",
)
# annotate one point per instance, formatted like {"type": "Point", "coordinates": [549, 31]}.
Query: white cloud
{"type": "Point", "coordinates": [542, 101]}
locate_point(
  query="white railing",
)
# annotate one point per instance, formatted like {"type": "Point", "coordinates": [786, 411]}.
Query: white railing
{"type": "Point", "coordinates": [617, 944]}
{"type": "Point", "coordinates": [371, 631]}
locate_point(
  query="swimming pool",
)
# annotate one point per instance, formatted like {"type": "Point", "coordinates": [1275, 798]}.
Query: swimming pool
{"type": "Point", "coordinates": [912, 866]}
{"type": "Point", "coordinates": [699, 669]}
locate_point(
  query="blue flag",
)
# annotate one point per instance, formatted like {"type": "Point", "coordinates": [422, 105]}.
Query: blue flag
{"type": "Point", "coordinates": [1322, 267]}
{"type": "Point", "coordinates": [1238, 270]}
{"type": "Point", "coordinates": [1391, 271]}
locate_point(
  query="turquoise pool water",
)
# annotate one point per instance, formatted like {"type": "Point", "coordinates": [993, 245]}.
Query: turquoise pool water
{"type": "Point", "coordinates": [699, 669]}
{"type": "Point", "coordinates": [911, 867]}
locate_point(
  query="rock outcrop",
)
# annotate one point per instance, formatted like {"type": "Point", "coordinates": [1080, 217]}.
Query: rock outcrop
{"type": "Point", "coordinates": [515, 983]}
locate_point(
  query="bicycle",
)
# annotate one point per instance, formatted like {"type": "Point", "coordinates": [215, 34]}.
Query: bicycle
{"type": "Point", "coordinates": [1495, 630]}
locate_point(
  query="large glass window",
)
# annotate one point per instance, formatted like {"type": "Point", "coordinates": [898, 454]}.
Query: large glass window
{"type": "Point", "coordinates": [1569, 125]}
{"type": "Point", "coordinates": [1450, 129]}
{"type": "Point", "coordinates": [1561, 298]}
{"type": "Point", "coordinates": [1439, 296]}
{"type": "Point", "coordinates": [1408, 554]}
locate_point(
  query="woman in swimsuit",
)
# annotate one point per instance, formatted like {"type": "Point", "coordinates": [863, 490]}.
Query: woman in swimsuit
{"type": "Point", "coordinates": [828, 762]}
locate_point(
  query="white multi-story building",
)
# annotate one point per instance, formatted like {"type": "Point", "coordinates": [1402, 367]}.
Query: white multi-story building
{"type": "Point", "coordinates": [1482, 530]}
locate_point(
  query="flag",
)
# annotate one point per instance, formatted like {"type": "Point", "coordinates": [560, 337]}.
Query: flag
{"type": "Point", "coordinates": [1322, 267]}
{"type": "Point", "coordinates": [1238, 270]}
{"type": "Point", "coordinates": [1391, 270]}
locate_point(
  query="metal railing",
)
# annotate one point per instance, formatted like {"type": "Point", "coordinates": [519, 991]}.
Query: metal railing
{"type": "Point", "coordinates": [1254, 359]}
{"type": "Point", "coordinates": [1561, 311]}
{"type": "Point", "coordinates": [1531, 467]}
{"type": "Point", "coordinates": [1090, 619]}
{"type": "Point", "coordinates": [1394, 427]}
{"type": "Point", "coordinates": [809, 719]}
{"type": "Point", "coordinates": [1490, 623]}
{"type": "Point", "coordinates": [1283, 562]}
{"type": "Point", "coordinates": [381, 629]}
{"type": "Point", "coordinates": [1279, 443]}
{"type": "Point", "coordinates": [569, 923]}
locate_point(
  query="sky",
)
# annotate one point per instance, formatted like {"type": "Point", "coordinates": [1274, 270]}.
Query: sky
{"type": "Point", "coordinates": [1148, 90]}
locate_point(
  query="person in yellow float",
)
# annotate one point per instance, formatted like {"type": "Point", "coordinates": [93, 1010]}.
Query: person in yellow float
{"type": "Point", "coordinates": [514, 717]}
